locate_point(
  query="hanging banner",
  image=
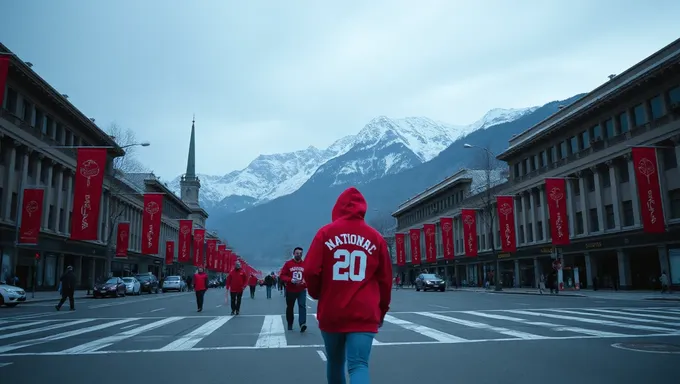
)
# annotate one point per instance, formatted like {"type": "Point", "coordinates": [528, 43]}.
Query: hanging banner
{"type": "Point", "coordinates": [415, 246]}
{"type": "Point", "coordinates": [469, 231]}
{"type": "Point", "coordinates": [446, 225]}
{"type": "Point", "coordinates": [87, 193]}
{"type": "Point", "coordinates": [151, 223]}
{"type": "Point", "coordinates": [4, 70]}
{"type": "Point", "coordinates": [506, 221]}
{"type": "Point", "coordinates": [430, 243]}
{"type": "Point", "coordinates": [184, 241]}
{"type": "Point", "coordinates": [199, 236]}
{"type": "Point", "coordinates": [649, 189]}
{"type": "Point", "coordinates": [556, 197]}
{"type": "Point", "coordinates": [31, 214]}
{"type": "Point", "coordinates": [210, 254]}
{"type": "Point", "coordinates": [169, 252]}
{"type": "Point", "coordinates": [222, 255]}
{"type": "Point", "coordinates": [401, 249]}
{"type": "Point", "coordinates": [122, 239]}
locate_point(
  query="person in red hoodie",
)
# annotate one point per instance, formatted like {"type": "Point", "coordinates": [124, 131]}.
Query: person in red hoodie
{"type": "Point", "coordinates": [296, 289]}
{"type": "Point", "coordinates": [236, 282]}
{"type": "Point", "coordinates": [200, 286]}
{"type": "Point", "coordinates": [348, 269]}
{"type": "Point", "coordinates": [252, 283]}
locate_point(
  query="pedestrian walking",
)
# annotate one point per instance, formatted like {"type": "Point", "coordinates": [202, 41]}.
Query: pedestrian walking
{"type": "Point", "coordinates": [236, 283]}
{"type": "Point", "coordinates": [663, 279]}
{"type": "Point", "coordinates": [252, 284]}
{"type": "Point", "coordinates": [269, 281]}
{"type": "Point", "coordinates": [348, 269]}
{"type": "Point", "coordinates": [541, 284]}
{"type": "Point", "coordinates": [296, 289]}
{"type": "Point", "coordinates": [200, 286]}
{"type": "Point", "coordinates": [68, 289]}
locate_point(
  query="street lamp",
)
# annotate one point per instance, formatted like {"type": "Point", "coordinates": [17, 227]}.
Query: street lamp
{"type": "Point", "coordinates": [489, 211]}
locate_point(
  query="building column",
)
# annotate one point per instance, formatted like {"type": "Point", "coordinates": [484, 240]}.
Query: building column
{"type": "Point", "coordinates": [516, 218]}
{"type": "Point", "coordinates": [517, 283]}
{"type": "Point", "coordinates": [624, 269]}
{"type": "Point", "coordinates": [663, 260]}
{"type": "Point", "coordinates": [68, 174]}
{"type": "Point", "coordinates": [532, 214]}
{"type": "Point", "coordinates": [48, 194]}
{"type": "Point", "coordinates": [571, 210]}
{"type": "Point", "coordinates": [92, 273]}
{"type": "Point", "coordinates": [544, 212]}
{"type": "Point", "coordinates": [614, 189]}
{"type": "Point", "coordinates": [676, 142]}
{"type": "Point", "coordinates": [591, 269]}
{"type": "Point", "coordinates": [632, 182]}
{"type": "Point", "coordinates": [599, 203]}
{"type": "Point", "coordinates": [537, 272]}
{"type": "Point", "coordinates": [38, 168]}
{"type": "Point", "coordinates": [583, 197]}
{"type": "Point", "coordinates": [663, 185]}
{"type": "Point", "coordinates": [60, 197]}
{"type": "Point", "coordinates": [494, 228]}
{"type": "Point", "coordinates": [524, 217]}
{"type": "Point", "coordinates": [11, 182]}
{"type": "Point", "coordinates": [79, 267]}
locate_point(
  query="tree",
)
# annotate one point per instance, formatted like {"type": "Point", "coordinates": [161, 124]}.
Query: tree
{"type": "Point", "coordinates": [126, 138]}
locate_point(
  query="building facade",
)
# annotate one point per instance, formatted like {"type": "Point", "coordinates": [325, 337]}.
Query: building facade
{"type": "Point", "coordinates": [589, 144]}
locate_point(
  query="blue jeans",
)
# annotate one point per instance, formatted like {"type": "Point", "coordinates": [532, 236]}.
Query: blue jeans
{"type": "Point", "coordinates": [269, 291]}
{"type": "Point", "coordinates": [355, 348]}
{"type": "Point", "coordinates": [301, 298]}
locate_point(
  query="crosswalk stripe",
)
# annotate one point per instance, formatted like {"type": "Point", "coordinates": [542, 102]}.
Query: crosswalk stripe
{"type": "Point", "coordinates": [425, 331]}
{"type": "Point", "coordinates": [665, 311]}
{"type": "Point", "coordinates": [593, 321]}
{"type": "Point", "coordinates": [45, 329]}
{"type": "Point", "coordinates": [59, 336]}
{"type": "Point", "coordinates": [106, 341]}
{"type": "Point", "coordinates": [474, 324]}
{"type": "Point", "coordinates": [628, 318]}
{"type": "Point", "coordinates": [194, 337]}
{"type": "Point", "coordinates": [273, 334]}
{"type": "Point", "coordinates": [633, 314]}
{"type": "Point", "coordinates": [553, 327]}
{"type": "Point", "coordinates": [22, 325]}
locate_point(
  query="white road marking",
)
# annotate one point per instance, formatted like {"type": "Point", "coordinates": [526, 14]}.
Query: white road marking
{"type": "Point", "coordinates": [322, 355]}
{"type": "Point", "coordinates": [628, 317]}
{"type": "Point", "coordinates": [635, 314]}
{"type": "Point", "coordinates": [593, 321]}
{"type": "Point", "coordinates": [438, 306]}
{"type": "Point", "coordinates": [5, 364]}
{"type": "Point", "coordinates": [273, 333]}
{"type": "Point", "coordinates": [622, 346]}
{"type": "Point", "coordinates": [22, 325]}
{"type": "Point", "coordinates": [129, 326]}
{"type": "Point", "coordinates": [45, 329]}
{"type": "Point", "coordinates": [440, 336]}
{"type": "Point", "coordinates": [218, 305]}
{"type": "Point", "coordinates": [123, 302]}
{"type": "Point", "coordinates": [156, 310]}
{"type": "Point", "coordinates": [193, 338]}
{"type": "Point", "coordinates": [474, 324]}
{"type": "Point", "coordinates": [106, 341]}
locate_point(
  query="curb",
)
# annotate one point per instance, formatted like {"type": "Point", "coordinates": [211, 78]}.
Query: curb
{"type": "Point", "coordinates": [535, 294]}
{"type": "Point", "coordinates": [663, 299]}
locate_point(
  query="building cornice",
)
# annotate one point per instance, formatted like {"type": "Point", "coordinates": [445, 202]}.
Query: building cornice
{"type": "Point", "coordinates": [445, 184]}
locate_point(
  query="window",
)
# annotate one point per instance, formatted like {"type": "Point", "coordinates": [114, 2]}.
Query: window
{"type": "Point", "coordinates": [526, 166]}
{"type": "Point", "coordinates": [563, 150]}
{"type": "Point", "coordinates": [609, 128]}
{"type": "Point", "coordinates": [576, 186]}
{"type": "Point", "coordinates": [11, 101]}
{"type": "Point", "coordinates": [674, 95]}
{"type": "Point", "coordinates": [590, 181]}
{"type": "Point", "coordinates": [674, 198]}
{"type": "Point", "coordinates": [585, 139]}
{"type": "Point", "coordinates": [623, 172]}
{"type": "Point", "coordinates": [573, 145]}
{"type": "Point", "coordinates": [40, 121]}
{"type": "Point", "coordinates": [551, 155]}
{"type": "Point", "coordinates": [542, 159]}
{"type": "Point", "coordinates": [13, 207]}
{"type": "Point", "coordinates": [534, 162]}
{"type": "Point", "coordinates": [639, 115]}
{"type": "Point", "coordinates": [669, 159]}
{"type": "Point", "coordinates": [539, 230]}
{"type": "Point", "coordinates": [521, 234]}
{"type": "Point", "coordinates": [27, 112]}
{"type": "Point", "coordinates": [622, 120]}
{"type": "Point", "coordinates": [610, 223]}
{"type": "Point", "coordinates": [627, 208]}
{"type": "Point", "coordinates": [605, 179]}
{"type": "Point", "coordinates": [597, 132]}
{"type": "Point", "coordinates": [594, 222]}
{"type": "Point", "coordinates": [579, 223]}
{"type": "Point", "coordinates": [656, 105]}
{"type": "Point", "coordinates": [530, 232]}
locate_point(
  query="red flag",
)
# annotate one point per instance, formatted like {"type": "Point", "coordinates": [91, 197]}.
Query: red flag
{"type": "Point", "coordinates": [430, 243]}
{"type": "Point", "coordinates": [649, 189]}
{"type": "Point", "coordinates": [184, 241]}
{"type": "Point", "coordinates": [151, 222]}
{"type": "Point", "coordinates": [470, 231]}
{"type": "Point", "coordinates": [401, 249]}
{"type": "Point", "coordinates": [122, 239]}
{"type": "Point", "coordinates": [231, 259]}
{"type": "Point", "coordinates": [415, 246]}
{"type": "Point", "coordinates": [4, 69]}
{"type": "Point", "coordinates": [199, 235]}
{"type": "Point", "coordinates": [87, 194]}
{"type": "Point", "coordinates": [210, 254]}
{"type": "Point", "coordinates": [169, 252]}
{"type": "Point", "coordinates": [557, 209]}
{"type": "Point", "coordinates": [506, 221]}
{"type": "Point", "coordinates": [446, 225]}
{"type": "Point", "coordinates": [31, 213]}
{"type": "Point", "coordinates": [222, 252]}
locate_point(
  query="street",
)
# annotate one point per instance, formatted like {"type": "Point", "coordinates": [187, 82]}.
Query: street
{"type": "Point", "coordinates": [452, 336]}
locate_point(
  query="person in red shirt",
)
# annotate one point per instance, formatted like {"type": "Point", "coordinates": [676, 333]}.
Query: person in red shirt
{"type": "Point", "coordinates": [200, 286]}
{"type": "Point", "coordinates": [236, 282]}
{"type": "Point", "coordinates": [296, 289]}
{"type": "Point", "coordinates": [252, 283]}
{"type": "Point", "coordinates": [348, 269]}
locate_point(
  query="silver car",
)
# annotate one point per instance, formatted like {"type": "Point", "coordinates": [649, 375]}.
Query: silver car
{"type": "Point", "coordinates": [174, 283]}
{"type": "Point", "coordinates": [132, 286]}
{"type": "Point", "coordinates": [11, 295]}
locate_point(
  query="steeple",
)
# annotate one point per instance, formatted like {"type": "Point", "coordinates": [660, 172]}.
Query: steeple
{"type": "Point", "coordinates": [191, 161]}
{"type": "Point", "coordinates": [189, 184]}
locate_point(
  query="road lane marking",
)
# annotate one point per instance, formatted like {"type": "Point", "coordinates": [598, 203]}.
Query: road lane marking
{"type": "Point", "coordinates": [45, 329]}
{"type": "Point", "coordinates": [438, 306]}
{"type": "Point", "coordinates": [189, 341]}
{"type": "Point", "coordinates": [5, 364]}
{"type": "Point", "coordinates": [635, 314]}
{"type": "Point", "coordinates": [98, 344]}
{"type": "Point", "coordinates": [59, 336]}
{"type": "Point", "coordinates": [474, 324]}
{"type": "Point", "coordinates": [129, 326]}
{"type": "Point", "coordinates": [593, 321]}
{"type": "Point", "coordinates": [273, 333]}
{"type": "Point", "coordinates": [627, 318]}
{"type": "Point", "coordinates": [622, 346]}
{"type": "Point", "coordinates": [156, 310]}
{"type": "Point", "coordinates": [22, 325]}
{"type": "Point", "coordinates": [123, 301]}
{"type": "Point", "coordinates": [322, 355]}
{"type": "Point", "coordinates": [440, 336]}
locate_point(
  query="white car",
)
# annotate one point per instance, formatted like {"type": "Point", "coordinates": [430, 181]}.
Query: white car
{"type": "Point", "coordinates": [11, 295]}
{"type": "Point", "coordinates": [174, 283]}
{"type": "Point", "coordinates": [132, 286]}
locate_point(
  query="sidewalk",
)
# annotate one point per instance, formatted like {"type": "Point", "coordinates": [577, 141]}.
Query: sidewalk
{"type": "Point", "coordinates": [47, 296]}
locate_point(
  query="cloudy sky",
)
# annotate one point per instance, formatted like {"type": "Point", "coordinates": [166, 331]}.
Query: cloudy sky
{"type": "Point", "coordinates": [268, 76]}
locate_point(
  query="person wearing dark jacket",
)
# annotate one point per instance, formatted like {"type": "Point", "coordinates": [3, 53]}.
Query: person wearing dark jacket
{"type": "Point", "coordinates": [200, 286]}
{"type": "Point", "coordinates": [68, 288]}
{"type": "Point", "coordinates": [269, 281]}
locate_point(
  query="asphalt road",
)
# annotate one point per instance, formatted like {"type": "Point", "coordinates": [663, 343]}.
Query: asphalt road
{"type": "Point", "coordinates": [433, 336]}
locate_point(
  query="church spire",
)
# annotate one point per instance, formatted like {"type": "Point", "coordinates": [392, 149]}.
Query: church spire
{"type": "Point", "coordinates": [191, 162]}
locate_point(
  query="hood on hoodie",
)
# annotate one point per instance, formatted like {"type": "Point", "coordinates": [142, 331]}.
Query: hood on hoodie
{"type": "Point", "coordinates": [350, 205]}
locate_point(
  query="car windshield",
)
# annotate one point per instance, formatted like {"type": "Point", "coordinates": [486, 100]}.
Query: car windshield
{"type": "Point", "coordinates": [430, 276]}
{"type": "Point", "coordinates": [143, 278]}
{"type": "Point", "coordinates": [112, 281]}
{"type": "Point", "coordinates": [172, 278]}
{"type": "Point", "coordinates": [128, 279]}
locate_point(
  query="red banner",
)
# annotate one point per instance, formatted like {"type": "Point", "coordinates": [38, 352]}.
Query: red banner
{"type": "Point", "coordinates": [184, 241]}
{"type": "Point", "coordinates": [31, 214]}
{"type": "Point", "coordinates": [415, 246]}
{"type": "Point", "coordinates": [469, 231]}
{"type": "Point", "coordinates": [430, 243]}
{"type": "Point", "coordinates": [122, 239]}
{"type": "Point", "coordinates": [222, 255]}
{"type": "Point", "coordinates": [87, 193]}
{"type": "Point", "coordinates": [556, 196]}
{"type": "Point", "coordinates": [230, 264]}
{"type": "Point", "coordinates": [199, 236]}
{"type": "Point", "coordinates": [446, 224]}
{"type": "Point", "coordinates": [169, 252]}
{"type": "Point", "coordinates": [4, 69]}
{"type": "Point", "coordinates": [211, 254]}
{"type": "Point", "coordinates": [151, 223]}
{"type": "Point", "coordinates": [649, 189]}
{"type": "Point", "coordinates": [506, 222]}
{"type": "Point", "coordinates": [401, 249]}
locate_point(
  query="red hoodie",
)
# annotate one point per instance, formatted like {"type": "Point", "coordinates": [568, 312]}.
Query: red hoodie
{"type": "Point", "coordinates": [348, 269]}
{"type": "Point", "coordinates": [200, 281]}
{"type": "Point", "coordinates": [252, 281]}
{"type": "Point", "coordinates": [292, 269]}
{"type": "Point", "coordinates": [236, 280]}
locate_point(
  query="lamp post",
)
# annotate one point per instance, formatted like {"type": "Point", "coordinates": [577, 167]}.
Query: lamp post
{"type": "Point", "coordinates": [488, 208]}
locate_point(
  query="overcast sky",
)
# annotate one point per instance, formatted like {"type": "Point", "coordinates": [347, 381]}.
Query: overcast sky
{"type": "Point", "coordinates": [268, 76]}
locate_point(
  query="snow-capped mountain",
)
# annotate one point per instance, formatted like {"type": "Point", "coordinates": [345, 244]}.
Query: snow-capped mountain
{"type": "Point", "coordinates": [384, 146]}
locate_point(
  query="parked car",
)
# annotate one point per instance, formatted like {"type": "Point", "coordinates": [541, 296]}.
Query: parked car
{"type": "Point", "coordinates": [132, 286]}
{"type": "Point", "coordinates": [430, 281]}
{"type": "Point", "coordinates": [149, 283]}
{"type": "Point", "coordinates": [174, 283]}
{"type": "Point", "coordinates": [114, 286]}
{"type": "Point", "coordinates": [11, 296]}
